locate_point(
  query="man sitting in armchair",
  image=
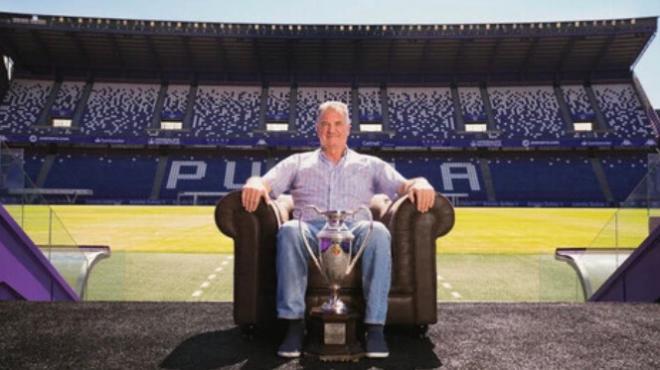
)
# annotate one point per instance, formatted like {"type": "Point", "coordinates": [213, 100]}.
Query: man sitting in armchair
{"type": "Point", "coordinates": [333, 177]}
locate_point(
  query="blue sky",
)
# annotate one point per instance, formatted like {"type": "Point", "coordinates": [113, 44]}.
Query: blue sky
{"type": "Point", "coordinates": [368, 12]}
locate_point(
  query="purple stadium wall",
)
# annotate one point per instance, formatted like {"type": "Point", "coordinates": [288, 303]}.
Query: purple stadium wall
{"type": "Point", "coordinates": [638, 278]}
{"type": "Point", "coordinates": [25, 273]}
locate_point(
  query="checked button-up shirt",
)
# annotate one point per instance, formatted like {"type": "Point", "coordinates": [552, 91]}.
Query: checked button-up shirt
{"type": "Point", "coordinates": [312, 179]}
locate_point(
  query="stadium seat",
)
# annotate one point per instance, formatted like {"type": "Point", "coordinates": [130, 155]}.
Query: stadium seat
{"type": "Point", "coordinates": [530, 112]}
{"type": "Point", "coordinates": [176, 99]}
{"type": "Point", "coordinates": [22, 105]}
{"type": "Point", "coordinates": [277, 106]}
{"type": "Point", "coordinates": [119, 109]}
{"type": "Point", "coordinates": [472, 104]}
{"type": "Point", "coordinates": [226, 111]}
{"type": "Point", "coordinates": [412, 299]}
{"type": "Point", "coordinates": [421, 113]}
{"type": "Point", "coordinates": [623, 111]}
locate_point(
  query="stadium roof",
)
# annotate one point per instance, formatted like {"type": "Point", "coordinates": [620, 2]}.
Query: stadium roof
{"type": "Point", "coordinates": [78, 47]}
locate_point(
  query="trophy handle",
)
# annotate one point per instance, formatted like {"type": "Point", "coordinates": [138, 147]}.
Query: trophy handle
{"type": "Point", "coordinates": [353, 260]}
{"type": "Point", "coordinates": [302, 235]}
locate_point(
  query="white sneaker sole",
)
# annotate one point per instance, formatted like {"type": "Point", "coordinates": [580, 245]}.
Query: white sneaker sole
{"type": "Point", "coordinates": [377, 354]}
{"type": "Point", "coordinates": [292, 354]}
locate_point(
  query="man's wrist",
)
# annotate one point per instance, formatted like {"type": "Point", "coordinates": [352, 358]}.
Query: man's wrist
{"type": "Point", "coordinates": [419, 182]}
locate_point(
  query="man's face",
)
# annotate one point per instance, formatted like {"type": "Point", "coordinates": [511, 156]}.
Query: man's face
{"type": "Point", "coordinates": [332, 129]}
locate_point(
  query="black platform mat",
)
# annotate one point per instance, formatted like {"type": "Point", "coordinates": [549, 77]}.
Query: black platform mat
{"type": "Point", "coordinates": [202, 336]}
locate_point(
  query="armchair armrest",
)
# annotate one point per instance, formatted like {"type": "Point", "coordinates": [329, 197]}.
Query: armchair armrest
{"type": "Point", "coordinates": [413, 250]}
{"type": "Point", "coordinates": [254, 236]}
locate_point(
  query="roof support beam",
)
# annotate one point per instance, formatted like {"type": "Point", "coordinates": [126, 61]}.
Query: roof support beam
{"type": "Point", "coordinates": [422, 64]}
{"type": "Point", "coordinates": [357, 60]}
{"type": "Point", "coordinates": [458, 57]}
{"type": "Point", "coordinates": [390, 57]}
{"type": "Point", "coordinates": [257, 57]}
{"type": "Point", "coordinates": [291, 66]}
{"type": "Point", "coordinates": [43, 47]}
{"type": "Point", "coordinates": [531, 51]}
{"type": "Point", "coordinates": [323, 57]}
{"type": "Point", "coordinates": [565, 52]}
{"type": "Point", "coordinates": [493, 55]}
{"type": "Point", "coordinates": [192, 63]}
{"type": "Point", "coordinates": [84, 55]}
{"type": "Point", "coordinates": [222, 57]}
{"type": "Point", "coordinates": [116, 51]}
{"type": "Point", "coordinates": [155, 57]}
{"type": "Point", "coordinates": [602, 52]}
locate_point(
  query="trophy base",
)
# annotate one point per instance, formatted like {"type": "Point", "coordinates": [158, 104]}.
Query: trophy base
{"type": "Point", "coordinates": [333, 337]}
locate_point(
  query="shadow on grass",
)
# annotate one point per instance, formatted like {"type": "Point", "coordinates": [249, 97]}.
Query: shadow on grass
{"type": "Point", "coordinates": [226, 348]}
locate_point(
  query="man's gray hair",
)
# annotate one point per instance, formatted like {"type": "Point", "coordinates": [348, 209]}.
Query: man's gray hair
{"type": "Point", "coordinates": [337, 106]}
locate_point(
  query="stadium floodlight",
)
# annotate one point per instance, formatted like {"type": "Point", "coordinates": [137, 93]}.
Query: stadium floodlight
{"type": "Point", "coordinates": [277, 126]}
{"type": "Point", "coordinates": [583, 126]}
{"type": "Point", "coordinates": [371, 127]}
{"type": "Point", "coordinates": [476, 127]}
{"type": "Point", "coordinates": [61, 122]}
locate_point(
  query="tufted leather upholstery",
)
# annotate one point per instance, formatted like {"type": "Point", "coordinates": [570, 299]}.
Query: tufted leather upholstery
{"type": "Point", "coordinates": [412, 299]}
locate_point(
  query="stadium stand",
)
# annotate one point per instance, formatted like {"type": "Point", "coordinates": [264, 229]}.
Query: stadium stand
{"type": "Point", "coordinates": [225, 111]}
{"type": "Point", "coordinates": [22, 105]}
{"type": "Point", "coordinates": [623, 172]}
{"type": "Point", "coordinates": [545, 179]}
{"type": "Point", "coordinates": [578, 103]}
{"type": "Point", "coordinates": [529, 112]}
{"type": "Point", "coordinates": [176, 99]}
{"type": "Point", "coordinates": [118, 109]}
{"type": "Point", "coordinates": [472, 104]}
{"type": "Point", "coordinates": [623, 111]}
{"type": "Point", "coordinates": [369, 104]}
{"type": "Point", "coordinates": [425, 113]}
{"type": "Point", "coordinates": [68, 97]}
{"type": "Point", "coordinates": [114, 178]}
{"type": "Point", "coordinates": [423, 102]}
{"type": "Point", "coordinates": [277, 106]}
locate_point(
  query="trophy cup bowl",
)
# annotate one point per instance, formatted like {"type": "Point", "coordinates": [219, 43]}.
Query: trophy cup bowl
{"type": "Point", "coordinates": [335, 260]}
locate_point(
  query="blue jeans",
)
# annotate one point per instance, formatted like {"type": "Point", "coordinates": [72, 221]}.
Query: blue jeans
{"type": "Point", "coordinates": [292, 264]}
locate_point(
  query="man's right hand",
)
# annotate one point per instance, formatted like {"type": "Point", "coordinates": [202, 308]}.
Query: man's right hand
{"type": "Point", "coordinates": [253, 190]}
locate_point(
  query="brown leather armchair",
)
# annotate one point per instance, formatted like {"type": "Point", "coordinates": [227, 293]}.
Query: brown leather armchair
{"type": "Point", "coordinates": [412, 298]}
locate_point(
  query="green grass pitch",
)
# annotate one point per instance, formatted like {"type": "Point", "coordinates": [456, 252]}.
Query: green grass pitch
{"type": "Point", "coordinates": [176, 252]}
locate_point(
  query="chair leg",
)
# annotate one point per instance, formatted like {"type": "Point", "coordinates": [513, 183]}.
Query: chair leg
{"type": "Point", "coordinates": [422, 330]}
{"type": "Point", "coordinates": [247, 331]}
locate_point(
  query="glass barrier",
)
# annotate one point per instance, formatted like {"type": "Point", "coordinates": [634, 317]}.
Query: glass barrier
{"type": "Point", "coordinates": [625, 230]}
{"type": "Point", "coordinates": [29, 208]}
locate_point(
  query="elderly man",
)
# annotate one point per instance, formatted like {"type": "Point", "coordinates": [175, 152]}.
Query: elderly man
{"type": "Point", "coordinates": [333, 177]}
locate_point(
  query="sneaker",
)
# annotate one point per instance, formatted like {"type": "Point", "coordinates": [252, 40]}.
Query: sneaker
{"type": "Point", "coordinates": [292, 344]}
{"type": "Point", "coordinates": [375, 342]}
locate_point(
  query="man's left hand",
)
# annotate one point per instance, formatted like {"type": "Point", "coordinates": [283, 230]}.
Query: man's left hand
{"type": "Point", "coordinates": [422, 194]}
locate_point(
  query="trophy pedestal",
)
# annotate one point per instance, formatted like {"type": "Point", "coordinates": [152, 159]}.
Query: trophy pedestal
{"type": "Point", "coordinates": [333, 337]}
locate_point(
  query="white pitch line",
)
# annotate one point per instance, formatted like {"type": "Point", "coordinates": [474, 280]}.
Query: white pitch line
{"type": "Point", "coordinates": [456, 294]}
{"type": "Point", "coordinates": [197, 293]}
{"type": "Point", "coordinates": [230, 257]}
{"type": "Point", "coordinates": [218, 269]}
{"type": "Point", "coordinates": [205, 285]}
{"type": "Point", "coordinates": [212, 276]}
{"type": "Point", "coordinates": [440, 278]}
{"type": "Point", "coordinates": [446, 285]}
{"type": "Point", "coordinates": [225, 262]}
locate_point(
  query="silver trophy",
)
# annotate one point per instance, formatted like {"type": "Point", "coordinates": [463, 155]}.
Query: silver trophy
{"type": "Point", "coordinates": [335, 258]}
